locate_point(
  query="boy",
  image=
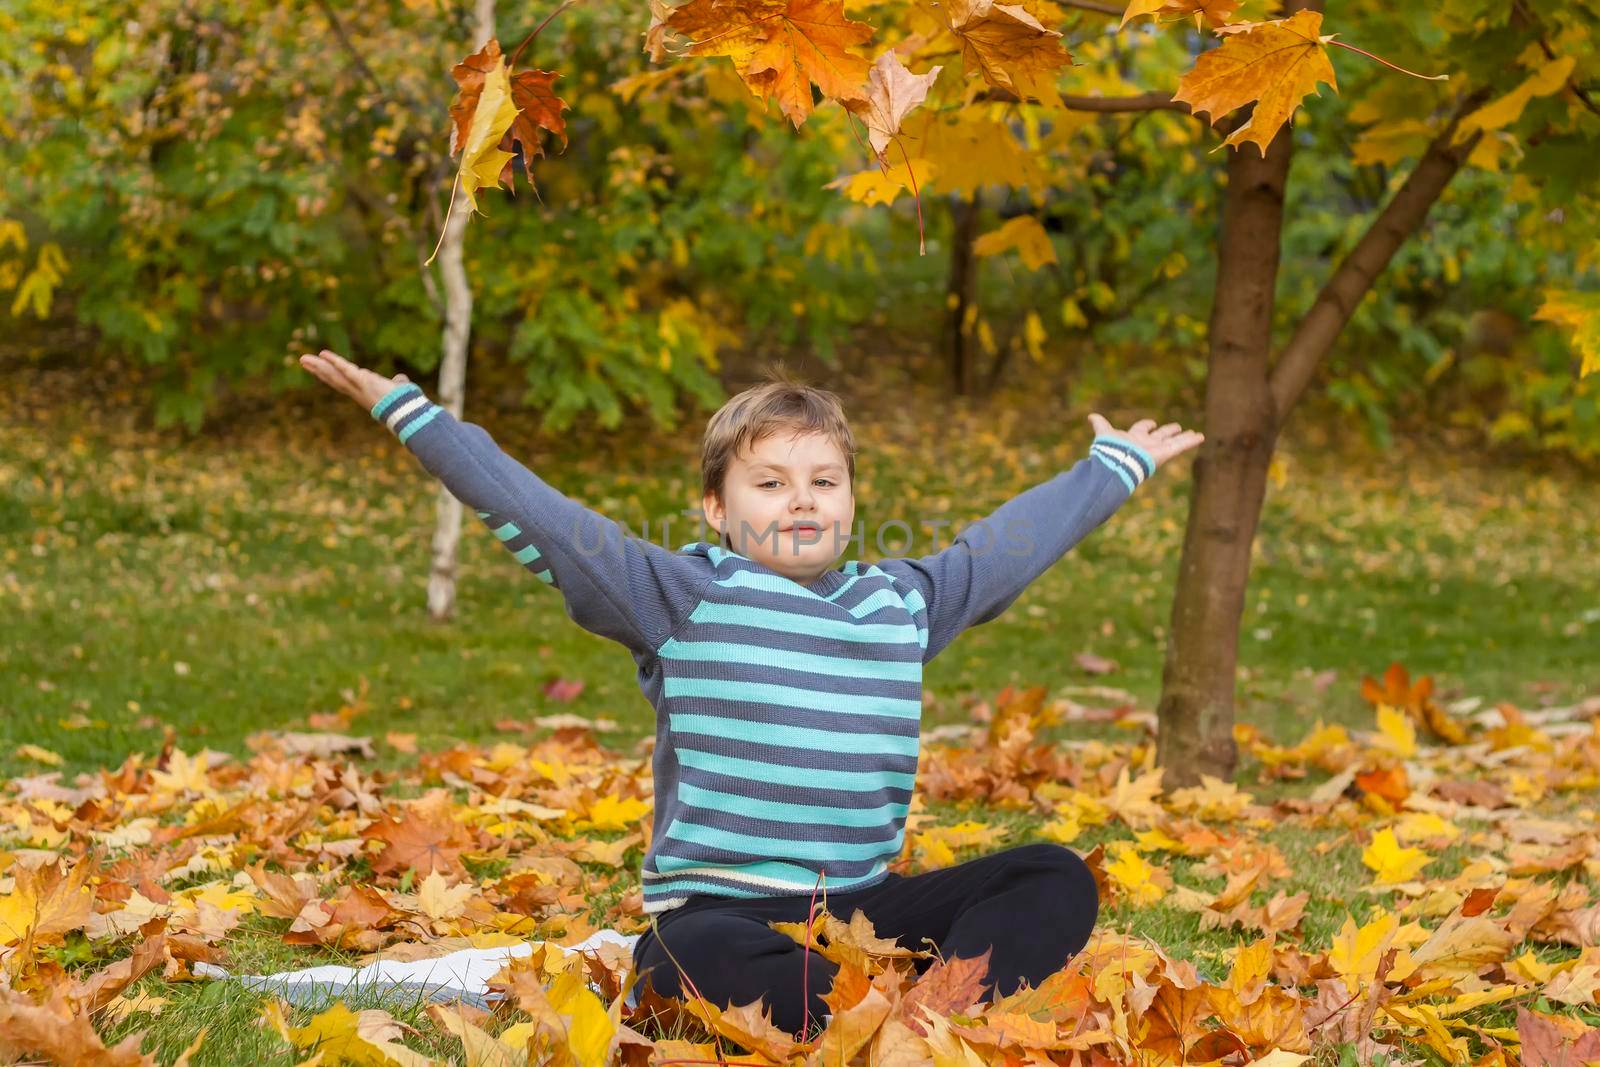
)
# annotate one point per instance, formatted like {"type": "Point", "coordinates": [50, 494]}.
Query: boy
{"type": "Point", "coordinates": [788, 692]}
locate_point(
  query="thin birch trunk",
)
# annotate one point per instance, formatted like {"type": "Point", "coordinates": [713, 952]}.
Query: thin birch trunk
{"type": "Point", "coordinates": [453, 371]}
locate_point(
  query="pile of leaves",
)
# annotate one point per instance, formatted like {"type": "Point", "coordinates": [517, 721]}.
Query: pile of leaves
{"type": "Point", "coordinates": [120, 884]}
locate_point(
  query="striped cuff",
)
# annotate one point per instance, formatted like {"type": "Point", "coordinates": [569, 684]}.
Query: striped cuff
{"type": "Point", "coordinates": [405, 410]}
{"type": "Point", "coordinates": [1127, 460]}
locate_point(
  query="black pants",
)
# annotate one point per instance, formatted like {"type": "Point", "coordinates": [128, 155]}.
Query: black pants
{"type": "Point", "coordinates": [1033, 906]}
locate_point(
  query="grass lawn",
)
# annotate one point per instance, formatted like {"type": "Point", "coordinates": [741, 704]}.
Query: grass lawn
{"type": "Point", "coordinates": [249, 579]}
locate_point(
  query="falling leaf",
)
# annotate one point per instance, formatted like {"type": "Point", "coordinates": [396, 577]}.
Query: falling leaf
{"type": "Point", "coordinates": [483, 112]}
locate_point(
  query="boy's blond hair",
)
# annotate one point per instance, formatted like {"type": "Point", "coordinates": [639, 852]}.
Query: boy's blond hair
{"type": "Point", "coordinates": [782, 402]}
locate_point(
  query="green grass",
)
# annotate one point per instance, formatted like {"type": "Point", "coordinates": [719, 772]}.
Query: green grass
{"type": "Point", "coordinates": [240, 583]}
{"type": "Point", "coordinates": [225, 587]}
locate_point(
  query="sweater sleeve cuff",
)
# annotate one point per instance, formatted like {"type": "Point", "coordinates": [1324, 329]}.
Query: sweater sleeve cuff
{"type": "Point", "coordinates": [405, 410]}
{"type": "Point", "coordinates": [1125, 459]}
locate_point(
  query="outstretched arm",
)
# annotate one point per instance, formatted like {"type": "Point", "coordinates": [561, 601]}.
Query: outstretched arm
{"type": "Point", "coordinates": [993, 560]}
{"type": "Point", "coordinates": [613, 584]}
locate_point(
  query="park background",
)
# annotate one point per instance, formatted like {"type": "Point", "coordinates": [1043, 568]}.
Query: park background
{"type": "Point", "coordinates": [199, 544]}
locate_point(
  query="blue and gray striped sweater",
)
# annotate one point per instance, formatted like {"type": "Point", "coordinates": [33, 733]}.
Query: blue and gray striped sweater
{"type": "Point", "coordinates": [787, 715]}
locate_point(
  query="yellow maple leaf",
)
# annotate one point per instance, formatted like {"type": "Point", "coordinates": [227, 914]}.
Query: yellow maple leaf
{"type": "Point", "coordinates": [1548, 79]}
{"type": "Point", "coordinates": [1579, 313]}
{"type": "Point", "coordinates": [481, 157]}
{"type": "Point", "coordinates": [1134, 800]}
{"type": "Point", "coordinates": [1357, 951]}
{"type": "Point", "coordinates": [1396, 734]}
{"type": "Point", "coordinates": [1141, 7]}
{"type": "Point", "coordinates": [1461, 946]}
{"type": "Point", "coordinates": [1156, 840]}
{"type": "Point", "coordinates": [1026, 235]}
{"type": "Point", "coordinates": [882, 185]}
{"type": "Point", "coordinates": [183, 774]}
{"type": "Point", "coordinates": [439, 900]}
{"type": "Point", "coordinates": [1211, 799]}
{"type": "Point", "coordinates": [1392, 863]}
{"type": "Point", "coordinates": [38, 755]}
{"type": "Point", "coordinates": [1275, 64]}
{"type": "Point", "coordinates": [44, 904]}
{"type": "Point", "coordinates": [1425, 826]}
{"type": "Point", "coordinates": [1134, 876]}
{"type": "Point", "coordinates": [1062, 831]}
{"type": "Point", "coordinates": [590, 1033]}
{"type": "Point", "coordinates": [611, 812]}
{"type": "Point", "coordinates": [341, 1036]}
{"type": "Point", "coordinates": [1252, 967]}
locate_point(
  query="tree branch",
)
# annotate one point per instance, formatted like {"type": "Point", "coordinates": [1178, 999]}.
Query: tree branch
{"type": "Point", "coordinates": [1355, 275]}
{"type": "Point", "coordinates": [1154, 101]}
{"type": "Point", "coordinates": [1090, 5]}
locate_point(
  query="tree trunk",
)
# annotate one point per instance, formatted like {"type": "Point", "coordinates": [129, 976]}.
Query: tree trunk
{"type": "Point", "coordinates": [1230, 474]}
{"type": "Point", "coordinates": [1247, 404]}
{"type": "Point", "coordinates": [453, 372]}
{"type": "Point", "coordinates": [963, 292]}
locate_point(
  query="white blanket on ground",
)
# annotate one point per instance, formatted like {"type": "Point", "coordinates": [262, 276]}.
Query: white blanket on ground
{"type": "Point", "coordinates": [462, 975]}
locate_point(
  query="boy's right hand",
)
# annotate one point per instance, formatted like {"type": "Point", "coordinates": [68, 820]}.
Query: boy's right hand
{"type": "Point", "coordinates": [359, 384]}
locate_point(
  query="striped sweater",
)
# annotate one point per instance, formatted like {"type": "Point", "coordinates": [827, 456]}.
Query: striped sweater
{"type": "Point", "coordinates": [787, 715]}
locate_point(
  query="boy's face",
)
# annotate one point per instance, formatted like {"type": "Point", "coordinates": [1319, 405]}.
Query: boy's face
{"type": "Point", "coordinates": [776, 489]}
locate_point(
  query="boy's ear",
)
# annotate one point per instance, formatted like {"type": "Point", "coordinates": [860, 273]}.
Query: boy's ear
{"type": "Point", "coordinates": [712, 509]}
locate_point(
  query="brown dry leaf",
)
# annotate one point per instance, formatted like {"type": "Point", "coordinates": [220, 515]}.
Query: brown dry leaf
{"type": "Point", "coordinates": [1461, 947]}
{"type": "Point", "coordinates": [751, 1026]}
{"type": "Point", "coordinates": [892, 91]}
{"type": "Point", "coordinates": [1555, 1041]}
{"type": "Point", "coordinates": [58, 1031]}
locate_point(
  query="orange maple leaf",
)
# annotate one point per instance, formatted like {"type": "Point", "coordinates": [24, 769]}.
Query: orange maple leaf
{"type": "Point", "coordinates": [1416, 698]}
{"type": "Point", "coordinates": [947, 986]}
{"type": "Point", "coordinates": [532, 93]}
{"type": "Point", "coordinates": [781, 47]}
{"type": "Point", "coordinates": [1274, 64]}
{"type": "Point", "coordinates": [425, 840]}
{"type": "Point", "coordinates": [1009, 47]}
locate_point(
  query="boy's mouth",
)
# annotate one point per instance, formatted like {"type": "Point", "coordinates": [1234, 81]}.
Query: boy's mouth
{"type": "Point", "coordinates": [802, 526]}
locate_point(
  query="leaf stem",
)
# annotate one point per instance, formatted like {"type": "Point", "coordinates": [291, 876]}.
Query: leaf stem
{"type": "Point", "coordinates": [922, 242]}
{"type": "Point", "coordinates": [529, 39]}
{"type": "Point", "coordinates": [446, 225]}
{"type": "Point", "coordinates": [1385, 62]}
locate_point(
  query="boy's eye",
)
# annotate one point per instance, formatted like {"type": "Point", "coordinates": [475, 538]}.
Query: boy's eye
{"type": "Point", "coordinates": [774, 481]}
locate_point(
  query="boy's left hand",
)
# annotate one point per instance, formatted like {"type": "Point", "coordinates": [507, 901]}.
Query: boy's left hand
{"type": "Point", "coordinates": [363, 386]}
{"type": "Point", "coordinates": [1162, 442]}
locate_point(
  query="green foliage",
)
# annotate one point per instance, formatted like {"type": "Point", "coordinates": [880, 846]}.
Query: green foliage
{"type": "Point", "coordinates": [213, 188]}
{"type": "Point", "coordinates": [231, 187]}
